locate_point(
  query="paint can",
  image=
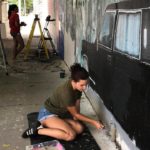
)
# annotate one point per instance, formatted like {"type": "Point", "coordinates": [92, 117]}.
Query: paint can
{"type": "Point", "coordinates": [62, 74]}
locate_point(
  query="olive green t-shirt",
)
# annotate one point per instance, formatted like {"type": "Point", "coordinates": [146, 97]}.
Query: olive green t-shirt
{"type": "Point", "coordinates": [61, 98]}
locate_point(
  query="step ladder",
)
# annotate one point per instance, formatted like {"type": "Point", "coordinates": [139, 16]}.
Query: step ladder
{"type": "Point", "coordinates": [27, 47]}
{"type": "Point", "coordinates": [47, 35]}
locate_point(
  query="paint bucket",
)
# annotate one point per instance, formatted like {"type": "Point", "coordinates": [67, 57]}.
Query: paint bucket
{"type": "Point", "coordinates": [62, 73]}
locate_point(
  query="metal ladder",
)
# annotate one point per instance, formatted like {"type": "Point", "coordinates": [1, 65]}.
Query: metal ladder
{"type": "Point", "coordinates": [47, 35]}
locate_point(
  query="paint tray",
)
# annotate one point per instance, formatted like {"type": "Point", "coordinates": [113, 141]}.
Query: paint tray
{"type": "Point", "coordinates": [49, 145]}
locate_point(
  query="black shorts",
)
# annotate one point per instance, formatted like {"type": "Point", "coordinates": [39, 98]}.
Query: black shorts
{"type": "Point", "coordinates": [13, 34]}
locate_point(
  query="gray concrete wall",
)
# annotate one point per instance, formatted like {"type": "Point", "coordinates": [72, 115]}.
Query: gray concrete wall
{"type": "Point", "coordinates": [4, 19]}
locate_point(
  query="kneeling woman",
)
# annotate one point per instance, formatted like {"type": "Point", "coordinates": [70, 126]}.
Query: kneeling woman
{"type": "Point", "coordinates": [65, 99]}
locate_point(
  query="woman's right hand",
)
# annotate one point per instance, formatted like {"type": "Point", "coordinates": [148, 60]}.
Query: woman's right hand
{"type": "Point", "coordinates": [98, 124]}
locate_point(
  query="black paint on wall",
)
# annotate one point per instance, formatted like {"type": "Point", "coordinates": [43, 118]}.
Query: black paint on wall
{"type": "Point", "coordinates": [123, 80]}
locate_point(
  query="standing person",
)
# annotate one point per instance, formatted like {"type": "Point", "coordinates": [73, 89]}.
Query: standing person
{"type": "Point", "coordinates": [65, 99]}
{"type": "Point", "coordinates": [14, 23]}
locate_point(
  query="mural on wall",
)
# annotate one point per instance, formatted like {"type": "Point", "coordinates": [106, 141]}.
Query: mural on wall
{"type": "Point", "coordinates": [120, 89]}
{"type": "Point", "coordinates": [61, 27]}
{"type": "Point", "coordinates": [71, 18]}
{"type": "Point", "coordinates": [83, 21]}
{"type": "Point", "coordinates": [61, 14]}
{"type": "Point", "coordinates": [119, 67]}
{"type": "Point", "coordinates": [86, 24]}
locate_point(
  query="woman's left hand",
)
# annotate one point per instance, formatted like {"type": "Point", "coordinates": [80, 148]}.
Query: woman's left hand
{"type": "Point", "coordinates": [23, 24]}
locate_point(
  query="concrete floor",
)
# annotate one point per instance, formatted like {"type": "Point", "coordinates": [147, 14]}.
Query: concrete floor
{"type": "Point", "coordinates": [24, 90]}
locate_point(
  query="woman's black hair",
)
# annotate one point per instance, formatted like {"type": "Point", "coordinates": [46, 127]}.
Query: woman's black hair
{"type": "Point", "coordinates": [78, 72]}
{"type": "Point", "coordinates": [11, 8]}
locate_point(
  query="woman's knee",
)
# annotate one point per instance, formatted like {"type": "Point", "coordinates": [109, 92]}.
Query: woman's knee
{"type": "Point", "coordinates": [76, 125]}
{"type": "Point", "coordinates": [70, 136]}
{"type": "Point", "coordinates": [79, 128]}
